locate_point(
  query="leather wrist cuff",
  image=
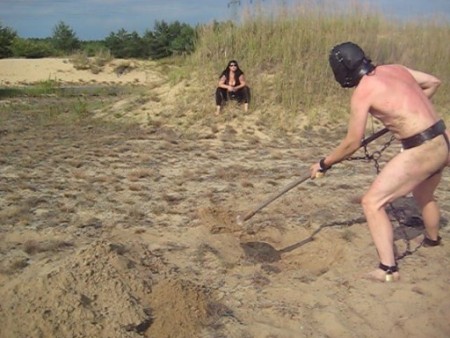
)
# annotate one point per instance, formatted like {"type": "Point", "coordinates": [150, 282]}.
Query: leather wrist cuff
{"type": "Point", "coordinates": [323, 166]}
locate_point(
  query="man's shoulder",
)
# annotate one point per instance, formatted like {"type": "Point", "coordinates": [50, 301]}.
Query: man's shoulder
{"type": "Point", "coordinates": [382, 75]}
{"type": "Point", "coordinates": [391, 69]}
{"type": "Point", "coordinates": [369, 86]}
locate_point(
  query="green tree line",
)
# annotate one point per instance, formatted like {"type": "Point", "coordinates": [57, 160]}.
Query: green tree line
{"type": "Point", "coordinates": [166, 39]}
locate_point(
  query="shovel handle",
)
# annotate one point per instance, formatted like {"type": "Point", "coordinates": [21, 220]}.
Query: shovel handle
{"type": "Point", "coordinates": [275, 196]}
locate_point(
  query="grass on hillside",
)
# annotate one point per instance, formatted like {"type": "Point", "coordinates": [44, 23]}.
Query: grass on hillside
{"type": "Point", "coordinates": [284, 55]}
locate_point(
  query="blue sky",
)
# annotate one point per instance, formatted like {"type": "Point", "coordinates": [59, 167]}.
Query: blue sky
{"type": "Point", "coordinates": [96, 19]}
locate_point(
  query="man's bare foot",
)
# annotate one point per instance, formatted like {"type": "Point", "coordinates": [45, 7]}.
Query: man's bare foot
{"type": "Point", "coordinates": [382, 276]}
{"type": "Point", "coordinates": [427, 242]}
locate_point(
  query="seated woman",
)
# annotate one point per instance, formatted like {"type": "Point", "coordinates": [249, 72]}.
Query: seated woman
{"type": "Point", "coordinates": [232, 87]}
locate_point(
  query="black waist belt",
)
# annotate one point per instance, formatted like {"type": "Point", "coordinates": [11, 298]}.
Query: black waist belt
{"type": "Point", "coordinates": [428, 134]}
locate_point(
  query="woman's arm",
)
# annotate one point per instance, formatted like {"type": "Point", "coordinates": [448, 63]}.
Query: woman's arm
{"type": "Point", "coordinates": [242, 83]}
{"type": "Point", "coordinates": [222, 83]}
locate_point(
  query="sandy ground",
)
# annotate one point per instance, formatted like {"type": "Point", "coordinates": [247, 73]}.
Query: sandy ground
{"type": "Point", "coordinates": [112, 230]}
{"type": "Point", "coordinates": [16, 72]}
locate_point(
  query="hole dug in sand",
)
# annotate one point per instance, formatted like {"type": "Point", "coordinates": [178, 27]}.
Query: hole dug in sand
{"type": "Point", "coordinates": [260, 252]}
{"type": "Point", "coordinates": [218, 220]}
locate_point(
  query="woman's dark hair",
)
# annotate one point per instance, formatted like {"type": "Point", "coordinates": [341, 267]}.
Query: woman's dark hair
{"type": "Point", "coordinates": [226, 71]}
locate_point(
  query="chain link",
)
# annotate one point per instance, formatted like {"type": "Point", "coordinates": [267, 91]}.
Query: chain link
{"type": "Point", "coordinates": [397, 213]}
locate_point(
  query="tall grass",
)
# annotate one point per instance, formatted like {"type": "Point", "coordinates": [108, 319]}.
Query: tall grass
{"type": "Point", "coordinates": [284, 54]}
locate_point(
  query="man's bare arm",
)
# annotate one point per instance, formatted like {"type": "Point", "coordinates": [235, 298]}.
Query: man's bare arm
{"type": "Point", "coordinates": [355, 132]}
{"type": "Point", "coordinates": [427, 82]}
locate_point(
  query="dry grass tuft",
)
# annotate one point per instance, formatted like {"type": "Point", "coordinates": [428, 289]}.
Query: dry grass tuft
{"type": "Point", "coordinates": [140, 173]}
{"type": "Point", "coordinates": [348, 235]}
{"type": "Point", "coordinates": [32, 247]}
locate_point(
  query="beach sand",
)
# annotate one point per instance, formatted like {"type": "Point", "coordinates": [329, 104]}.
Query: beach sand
{"type": "Point", "coordinates": [131, 231]}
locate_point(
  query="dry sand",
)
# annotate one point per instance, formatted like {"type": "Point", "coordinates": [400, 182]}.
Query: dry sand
{"type": "Point", "coordinates": [15, 72]}
{"type": "Point", "coordinates": [129, 231]}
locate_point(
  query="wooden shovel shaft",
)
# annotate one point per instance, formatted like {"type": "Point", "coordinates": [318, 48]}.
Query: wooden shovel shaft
{"type": "Point", "coordinates": [274, 197]}
{"type": "Point", "coordinates": [302, 179]}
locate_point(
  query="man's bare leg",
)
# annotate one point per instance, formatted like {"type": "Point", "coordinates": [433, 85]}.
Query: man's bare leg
{"type": "Point", "coordinates": [424, 196]}
{"type": "Point", "coordinates": [397, 179]}
{"type": "Point", "coordinates": [389, 185]}
{"type": "Point", "coordinates": [383, 236]}
{"type": "Point", "coordinates": [218, 110]}
{"type": "Point", "coordinates": [246, 107]}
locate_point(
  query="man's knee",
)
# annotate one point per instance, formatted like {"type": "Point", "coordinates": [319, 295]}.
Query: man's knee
{"type": "Point", "coordinates": [370, 203]}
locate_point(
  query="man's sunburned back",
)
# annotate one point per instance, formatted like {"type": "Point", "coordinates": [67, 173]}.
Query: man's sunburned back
{"type": "Point", "coordinates": [397, 100]}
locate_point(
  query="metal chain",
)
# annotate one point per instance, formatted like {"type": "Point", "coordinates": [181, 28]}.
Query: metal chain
{"type": "Point", "coordinates": [375, 156]}
{"type": "Point", "coordinates": [397, 213]}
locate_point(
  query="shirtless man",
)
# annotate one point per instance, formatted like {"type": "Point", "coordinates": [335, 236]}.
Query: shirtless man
{"type": "Point", "coordinates": [400, 98]}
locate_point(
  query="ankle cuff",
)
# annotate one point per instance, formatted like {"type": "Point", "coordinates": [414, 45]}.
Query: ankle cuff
{"type": "Point", "coordinates": [431, 242]}
{"type": "Point", "coordinates": [388, 269]}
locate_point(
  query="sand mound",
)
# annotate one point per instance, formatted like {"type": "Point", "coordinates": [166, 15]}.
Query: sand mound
{"type": "Point", "coordinates": [106, 289]}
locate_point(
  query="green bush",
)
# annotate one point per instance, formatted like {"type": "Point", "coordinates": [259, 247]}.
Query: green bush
{"type": "Point", "coordinates": [7, 36]}
{"type": "Point", "coordinates": [64, 38]}
{"type": "Point", "coordinates": [166, 40]}
{"type": "Point", "coordinates": [125, 45]}
{"type": "Point", "coordinates": [93, 48]}
{"type": "Point", "coordinates": [170, 39]}
{"type": "Point", "coordinates": [32, 49]}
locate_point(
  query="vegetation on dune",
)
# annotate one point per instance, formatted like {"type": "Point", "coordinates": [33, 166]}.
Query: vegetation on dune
{"type": "Point", "coordinates": [285, 55]}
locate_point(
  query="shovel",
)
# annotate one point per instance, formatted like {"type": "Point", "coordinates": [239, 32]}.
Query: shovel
{"type": "Point", "coordinates": [241, 219]}
{"type": "Point", "coordinates": [261, 252]}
